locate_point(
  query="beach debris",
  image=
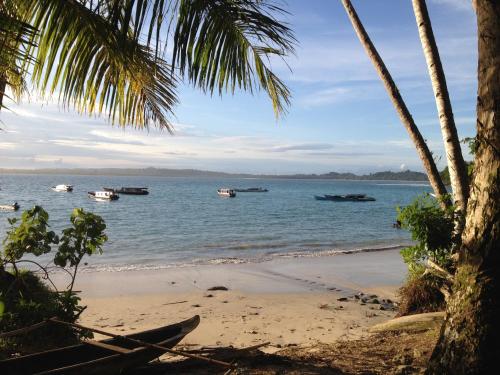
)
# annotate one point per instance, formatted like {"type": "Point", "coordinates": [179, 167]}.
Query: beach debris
{"type": "Point", "coordinates": [219, 287]}
{"type": "Point", "coordinates": [196, 305]}
{"type": "Point", "coordinates": [208, 295]}
{"type": "Point", "coordinates": [172, 303]}
{"type": "Point", "coordinates": [342, 299]}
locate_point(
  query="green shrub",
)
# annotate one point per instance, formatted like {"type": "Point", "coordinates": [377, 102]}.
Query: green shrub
{"type": "Point", "coordinates": [29, 297]}
{"type": "Point", "coordinates": [432, 229]}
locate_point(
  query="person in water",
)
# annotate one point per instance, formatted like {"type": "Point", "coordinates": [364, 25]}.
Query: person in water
{"type": "Point", "coordinates": [397, 224]}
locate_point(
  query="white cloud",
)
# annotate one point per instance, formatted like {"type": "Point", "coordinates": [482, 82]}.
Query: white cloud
{"type": "Point", "coordinates": [457, 4]}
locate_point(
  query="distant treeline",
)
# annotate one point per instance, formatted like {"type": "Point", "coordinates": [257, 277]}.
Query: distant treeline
{"type": "Point", "coordinates": [162, 172]}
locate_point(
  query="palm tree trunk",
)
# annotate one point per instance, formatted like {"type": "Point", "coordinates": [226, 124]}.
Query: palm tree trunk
{"type": "Point", "coordinates": [456, 163]}
{"type": "Point", "coordinates": [398, 102]}
{"type": "Point", "coordinates": [3, 85]}
{"type": "Point", "coordinates": [470, 338]}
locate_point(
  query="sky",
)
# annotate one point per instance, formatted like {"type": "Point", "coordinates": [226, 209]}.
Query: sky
{"type": "Point", "coordinates": [341, 119]}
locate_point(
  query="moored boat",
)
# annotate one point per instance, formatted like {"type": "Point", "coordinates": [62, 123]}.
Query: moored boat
{"type": "Point", "coordinates": [129, 190]}
{"type": "Point", "coordinates": [111, 356]}
{"type": "Point", "coordinates": [9, 207]}
{"type": "Point", "coordinates": [103, 195]}
{"type": "Point", "coordinates": [252, 190]}
{"type": "Point", "coordinates": [62, 187]}
{"type": "Point", "coordinates": [346, 198]}
{"type": "Point", "coordinates": [226, 193]}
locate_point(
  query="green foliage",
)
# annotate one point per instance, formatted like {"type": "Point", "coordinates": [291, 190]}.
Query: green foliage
{"type": "Point", "coordinates": [27, 298]}
{"type": "Point", "coordinates": [431, 227]}
{"type": "Point", "coordinates": [86, 236]}
{"type": "Point", "coordinates": [31, 236]}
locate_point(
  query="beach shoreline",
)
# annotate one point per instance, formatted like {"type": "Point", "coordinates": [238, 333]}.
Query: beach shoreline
{"type": "Point", "coordinates": [292, 301]}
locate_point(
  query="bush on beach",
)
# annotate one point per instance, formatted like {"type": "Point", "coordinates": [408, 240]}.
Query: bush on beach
{"type": "Point", "coordinates": [432, 229]}
{"type": "Point", "coordinates": [28, 297]}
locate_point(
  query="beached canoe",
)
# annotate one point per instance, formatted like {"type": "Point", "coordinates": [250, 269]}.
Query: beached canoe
{"type": "Point", "coordinates": [101, 359]}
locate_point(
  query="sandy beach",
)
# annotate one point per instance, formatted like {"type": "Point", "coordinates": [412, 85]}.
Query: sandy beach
{"type": "Point", "coordinates": [288, 302]}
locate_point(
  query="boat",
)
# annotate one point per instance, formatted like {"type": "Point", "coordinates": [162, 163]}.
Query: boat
{"type": "Point", "coordinates": [346, 198]}
{"type": "Point", "coordinates": [252, 190]}
{"type": "Point", "coordinates": [103, 195]}
{"type": "Point", "coordinates": [226, 193]}
{"type": "Point", "coordinates": [129, 190]}
{"type": "Point", "coordinates": [110, 356]}
{"type": "Point", "coordinates": [9, 207]}
{"type": "Point", "coordinates": [62, 187]}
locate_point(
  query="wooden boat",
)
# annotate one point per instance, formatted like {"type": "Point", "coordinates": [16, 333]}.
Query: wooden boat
{"type": "Point", "coordinates": [111, 356]}
{"type": "Point", "coordinates": [252, 190]}
{"type": "Point", "coordinates": [129, 190]}
{"type": "Point", "coordinates": [346, 198]}
{"type": "Point", "coordinates": [9, 207]}
{"type": "Point", "coordinates": [226, 193]}
{"type": "Point", "coordinates": [103, 196]}
{"type": "Point", "coordinates": [62, 187]}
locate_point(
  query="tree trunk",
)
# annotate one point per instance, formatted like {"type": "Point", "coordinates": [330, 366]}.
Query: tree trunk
{"type": "Point", "coordinates": [3, 85]}
{"type": "Point", "coordinates": [456, 163]}
{"type": "Point", "coordinates": [403, 112]}
{"type": "Point", "coordinates": [470, 337]}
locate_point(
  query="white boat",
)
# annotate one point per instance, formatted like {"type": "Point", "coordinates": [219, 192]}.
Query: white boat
{"type": "Point", "coordinates": [9, 207]}
{"type": "Point", "coordinates": [226, 193]}
{"type": "Point", "coordinates": [103, 195]}
{"type": "Point", "coordinates": [62, 187]}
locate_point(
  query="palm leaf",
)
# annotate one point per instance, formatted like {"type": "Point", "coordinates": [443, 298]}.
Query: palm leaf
{"type": "Point", "coordinates": [225, 44]}
{"type": "Point", "coordinates": [15, 35]}
{"type": "Point", "coordinates": [97, 65]}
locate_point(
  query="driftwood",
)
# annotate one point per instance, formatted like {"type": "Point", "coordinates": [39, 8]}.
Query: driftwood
{"type": "Point", "coordinates": [448, 276]}
{"type": "Point", "coordinates": [143, 343]}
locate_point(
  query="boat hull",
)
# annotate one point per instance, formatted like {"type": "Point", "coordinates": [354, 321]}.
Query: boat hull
{"type": "Point", "coordinates": [87, 359]}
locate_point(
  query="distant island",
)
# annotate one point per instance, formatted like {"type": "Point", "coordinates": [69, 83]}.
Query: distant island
{"type": "Point", "coordinates": [163, 172]}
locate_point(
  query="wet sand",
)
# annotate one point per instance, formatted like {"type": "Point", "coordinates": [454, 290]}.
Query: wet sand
{"type": "Point", "coordinates": [291, 301]}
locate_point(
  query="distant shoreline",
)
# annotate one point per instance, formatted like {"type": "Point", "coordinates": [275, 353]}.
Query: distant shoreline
{"type": "Point", "coordinates": [163, 172]}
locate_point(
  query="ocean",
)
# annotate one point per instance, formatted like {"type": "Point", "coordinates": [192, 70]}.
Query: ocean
{"type": "Point", "coordinates": [184, 222]}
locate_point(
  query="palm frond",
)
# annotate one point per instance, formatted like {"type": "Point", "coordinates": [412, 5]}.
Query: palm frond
{"type": "Point", "coordinates": [90, 55]}
{"type": "Point", "coordinates": [15, 36]}
{"type": "Point", "coordinates": [226, 44]}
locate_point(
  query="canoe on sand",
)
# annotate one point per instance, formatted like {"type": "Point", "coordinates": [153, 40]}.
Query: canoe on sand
{"type": "Point", "coordinates": [111, 356]}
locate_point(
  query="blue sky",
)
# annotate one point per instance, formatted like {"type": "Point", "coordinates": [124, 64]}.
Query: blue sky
{"type": "Point", "coordinates": [341, 119]}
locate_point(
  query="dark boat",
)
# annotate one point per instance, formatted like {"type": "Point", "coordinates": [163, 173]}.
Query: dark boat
{"type": "Point", "coordinates": [98, 359]}
{"type": "Point", "coordinates": [129, 190]}
{"type": "Point", "coordinates": [252, 190]}
{"type": "Point", "coordinates": [346, 198]}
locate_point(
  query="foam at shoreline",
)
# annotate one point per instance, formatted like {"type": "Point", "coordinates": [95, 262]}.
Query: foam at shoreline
{"type": "Point", "coordinates": [239, 260]}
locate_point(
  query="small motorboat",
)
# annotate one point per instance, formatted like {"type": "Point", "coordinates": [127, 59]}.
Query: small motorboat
{"type": "Point", "coordinates": [111, 356]}
{"type": "Point", "coordinates": [346, 198]}
{"type": "Point", "coordinates": [62, 187]}
{"type": "Point", "coordinates": [129, 190]}
{"type": "Point", "coordinates": [226, 193]}
{"type": "Point", "coordinates": [252, 190]}
{"type": "Point", "coordinates": [103, 195]}
{"type": "Point", "coordinates": [9, 207]}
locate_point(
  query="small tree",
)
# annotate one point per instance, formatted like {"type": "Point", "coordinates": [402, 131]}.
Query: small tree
{"type": "Point", "coordinates": [25, 297]}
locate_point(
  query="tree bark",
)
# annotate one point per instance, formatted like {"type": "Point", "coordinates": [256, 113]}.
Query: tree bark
{"type": "Point", "coordinates": [3, 85]}
{"type": "Point", "coordinates": [454, 157]}
{"type": "Point", "coordinates": [398, 102]}
{"type": "Point", "coordinates": [470, 337]}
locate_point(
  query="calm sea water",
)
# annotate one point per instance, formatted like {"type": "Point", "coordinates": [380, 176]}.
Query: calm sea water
{"type": "Point", "coordinates": [183, 220]}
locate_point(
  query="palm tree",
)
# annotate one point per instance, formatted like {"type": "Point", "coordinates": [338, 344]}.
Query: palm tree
{"type": "Point", "coordinates": [456, 164]}
{"type": "Point", "coordinates": [398, 102]}
{"type": "Point", "coordinates": [107, 56]}
{"type": "Point", "coordinates": [470, 338]}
